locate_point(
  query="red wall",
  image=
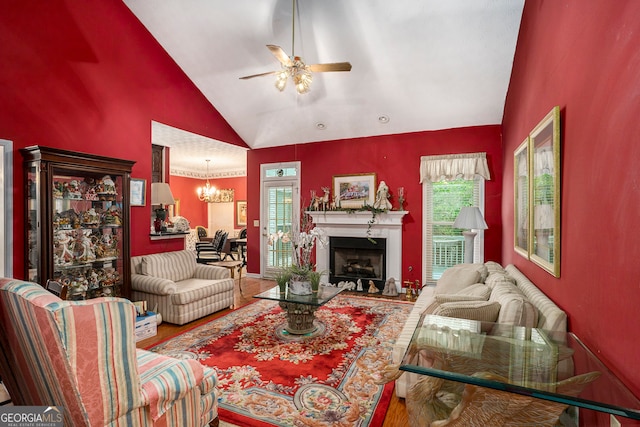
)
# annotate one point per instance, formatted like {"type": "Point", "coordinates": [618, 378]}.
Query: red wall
{"type": "Point", "coordinates": [584, 57]}
{"type": "Point", "coordinates": [87, 76]}
{"type": "Point", "coordinates": [192, 208]}
{"type": "Point", "coordinates": [396, 160]}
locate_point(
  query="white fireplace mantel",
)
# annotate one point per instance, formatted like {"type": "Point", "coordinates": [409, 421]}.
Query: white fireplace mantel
{"type": "Point", "coordinates": [387, 225]}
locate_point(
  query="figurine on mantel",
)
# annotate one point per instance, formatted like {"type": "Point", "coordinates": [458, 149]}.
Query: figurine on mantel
{"type": "Point", "coordinates": [359, 288]}
{"type": "Point", "coordinates": [382, 197]}
{"type": "Point", "coordinates": [373, 289]}
{"type": "Point", "coordinates": [390, 288]}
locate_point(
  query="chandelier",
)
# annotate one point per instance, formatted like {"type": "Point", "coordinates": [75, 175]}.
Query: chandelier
{"type": "Point", "coordinates": [207, 193]}
{"type": "Point", "coordinates": [210, 194]}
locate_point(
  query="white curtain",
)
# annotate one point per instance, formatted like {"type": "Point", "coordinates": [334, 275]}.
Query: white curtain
{"type": "Point", "coordinates": [454, 166]}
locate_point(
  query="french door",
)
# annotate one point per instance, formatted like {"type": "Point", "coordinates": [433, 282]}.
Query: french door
{"type": "Point", "coordinates": [280, 201]}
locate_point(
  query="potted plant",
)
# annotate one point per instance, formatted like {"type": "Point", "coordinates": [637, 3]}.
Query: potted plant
{"type": "Point", "coordinates": [301, 273]}
{"type": "Point", "coordinates": [282, 278]}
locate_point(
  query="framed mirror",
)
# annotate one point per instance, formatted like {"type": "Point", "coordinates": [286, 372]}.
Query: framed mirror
{"type": "Point", "coordinates": [521, 198]}
{"type": "Point", "coordinates": [544, 191]}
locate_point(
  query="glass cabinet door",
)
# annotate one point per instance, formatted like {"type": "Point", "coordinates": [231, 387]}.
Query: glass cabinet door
{"type": "Point", "coordinates": [87, 233]}
{"type": "Point", "coordinates": [32, 225]}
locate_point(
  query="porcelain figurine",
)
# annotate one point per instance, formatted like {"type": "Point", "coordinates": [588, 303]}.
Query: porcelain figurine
{"type": "Point", "coordinates": [373, 289]}
{"type": "Point", "coordinates": [382, 197]}
{"type": "Point", "coordinates": [390, 288]}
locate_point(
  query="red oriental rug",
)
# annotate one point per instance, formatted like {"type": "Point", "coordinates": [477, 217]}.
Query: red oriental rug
{"type": "Point", "coordinates": [271, 378]}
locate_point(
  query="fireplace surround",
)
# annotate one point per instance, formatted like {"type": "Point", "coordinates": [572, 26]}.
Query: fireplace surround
{"type": "Point", "coordinates": [387, 226]}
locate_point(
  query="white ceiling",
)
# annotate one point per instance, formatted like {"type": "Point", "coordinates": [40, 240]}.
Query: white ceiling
{"type": "Point", "coordinates": [424, 64]}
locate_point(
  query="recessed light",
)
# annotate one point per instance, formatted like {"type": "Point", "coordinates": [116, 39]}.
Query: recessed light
{"type": "Point", "coordinates": [383, 119]}
{"type": "Point", "coordinates": [321, 126]}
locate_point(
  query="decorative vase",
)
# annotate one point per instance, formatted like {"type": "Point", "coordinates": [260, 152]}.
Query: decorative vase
{"type": "Point", "coordinates": [300, 287]}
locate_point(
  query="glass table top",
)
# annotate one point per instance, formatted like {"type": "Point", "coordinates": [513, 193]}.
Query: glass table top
{"type": "Point", "coordinates": [323, 296]}
{"type": "Point", "coordinates": [516, 359]}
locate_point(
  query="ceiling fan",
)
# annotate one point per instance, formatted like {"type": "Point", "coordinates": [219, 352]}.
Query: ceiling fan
{"type": "Point", "coordinates": [295, 67]}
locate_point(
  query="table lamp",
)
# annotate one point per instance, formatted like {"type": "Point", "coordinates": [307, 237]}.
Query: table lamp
{"type": "Point", "coordinates": [160, 195]}
{"type": "Point", "coordinates": [470, 218]}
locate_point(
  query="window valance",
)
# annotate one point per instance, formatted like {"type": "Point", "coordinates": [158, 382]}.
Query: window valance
{"type": "Point", "coordinates": [454, 166]}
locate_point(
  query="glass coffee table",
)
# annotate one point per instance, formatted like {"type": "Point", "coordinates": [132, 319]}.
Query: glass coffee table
{"type": "Point", "coordinates": [301, 309]}
{"type": "Point", "coordinates": [552, 366]}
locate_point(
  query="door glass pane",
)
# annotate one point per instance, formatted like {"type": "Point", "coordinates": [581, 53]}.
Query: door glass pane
{"type": "Point", "coordinates": [280, 215]}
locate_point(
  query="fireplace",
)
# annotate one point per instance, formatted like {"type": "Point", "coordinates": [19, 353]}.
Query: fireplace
{"type": "Point", "coordinates": [386, 226]}
{"type": "Point", "coordinates": [353, 258]}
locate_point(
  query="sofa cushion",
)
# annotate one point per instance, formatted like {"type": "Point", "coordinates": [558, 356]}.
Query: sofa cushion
{"type": "Point", "coordinates": [494, 267]}
{"type": "Point", "coordinates": [499, 277]}
{"type": "Point", "coordinates": [486, 311]}
{"type": "Point", "coordinates": [515, 307]}
{"type": "Point", "coordinates": [459, 277]}
{"type": "Point", "coordinates": [479, 290]}
{"type": "Point", "coordinates": [443, 298]}
{"type": "Point", "coordinates": [176, 266]}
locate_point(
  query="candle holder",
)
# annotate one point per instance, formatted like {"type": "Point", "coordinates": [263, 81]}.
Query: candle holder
{"type": "Point", "coordinates": [400, 198]}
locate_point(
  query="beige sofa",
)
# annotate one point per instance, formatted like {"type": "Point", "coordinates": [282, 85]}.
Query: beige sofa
{"type": "Point", "coordinates": [182, 289]}
{"type": "Point", "coordinates": [480, 292]}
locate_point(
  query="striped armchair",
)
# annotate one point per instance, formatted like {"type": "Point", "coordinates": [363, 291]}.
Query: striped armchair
{"type": "Point", "coordinates": [81, 357]}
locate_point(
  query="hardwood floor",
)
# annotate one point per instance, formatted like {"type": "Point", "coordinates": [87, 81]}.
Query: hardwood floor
{"type": "Point", "coordinates": [396, 414]}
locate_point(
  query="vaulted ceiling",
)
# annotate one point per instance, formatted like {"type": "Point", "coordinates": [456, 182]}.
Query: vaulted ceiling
{"type": "Point", "coordinates": [417, 64]}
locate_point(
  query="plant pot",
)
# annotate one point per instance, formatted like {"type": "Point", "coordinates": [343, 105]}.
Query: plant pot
{"type": "Point", "coordinates": [283, 287]}
{"type": "Point", "coordinates": [297, 287]}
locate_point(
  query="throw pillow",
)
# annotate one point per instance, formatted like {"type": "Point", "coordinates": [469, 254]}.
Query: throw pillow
{"type": "Point", "coordinates": [477, 290]}
{"type": "Point", "coordinates": [457, 277]}
{"type": "Point", "coordinates": [516, 308]}
{"type": "Point", "coordinates": [443, 298]}
{"type": "Point", "coordinates": [494, 267]}
{"type": "Point", "coordinates": [485, 311]}
{"type": "Point", "coordinates": [499, 277]}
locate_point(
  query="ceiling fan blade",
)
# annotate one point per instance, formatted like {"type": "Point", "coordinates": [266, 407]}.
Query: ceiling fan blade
{"type": "Point", "coordinates": [280, 55]}
{"type": "Point", "coordinates": [258, 75]}
{"type": "Point", "coordinates": [334, 66]}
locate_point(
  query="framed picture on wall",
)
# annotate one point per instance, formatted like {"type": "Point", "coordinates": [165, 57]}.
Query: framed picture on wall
{"type": "Point", "coordinates": [354, 191]}
{"type": "Point", "coordinates": [241, 212]}
{"type": "Point", "coordinates": [521, 198]}
{"type": "Point", "coordinates": [138, 191]}
{"type": "Point", "coordinates": [544, 193]}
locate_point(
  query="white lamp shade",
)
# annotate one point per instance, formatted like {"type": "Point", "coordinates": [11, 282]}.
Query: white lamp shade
{"type": "Point", "coordinates": [470, 218]}
{"type": "Point", "coordinates": [161, 194]}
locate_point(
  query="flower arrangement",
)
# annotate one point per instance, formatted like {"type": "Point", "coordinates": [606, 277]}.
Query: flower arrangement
{"type": "Point", "coordinates": [303, 242]}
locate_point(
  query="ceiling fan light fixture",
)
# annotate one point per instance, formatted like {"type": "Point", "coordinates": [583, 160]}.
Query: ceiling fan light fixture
{"type": "Point", "coordinates": [302, 78]}
{"type": "Point", "coordinates": [281, 79]}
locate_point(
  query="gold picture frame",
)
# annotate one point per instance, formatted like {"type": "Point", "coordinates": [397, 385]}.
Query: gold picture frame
{"type": "Point", "coordinates": [521, 198]}
{"type": "Point", "coordinates": [354, 191]}
{"type": "Point", "coordinates": [544, 193]}
{"type": "Point", "coordinates": [241, 213]}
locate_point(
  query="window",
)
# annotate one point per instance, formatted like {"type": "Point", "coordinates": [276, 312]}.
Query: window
{"type": "Point", "coordinates": [449, 183]}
